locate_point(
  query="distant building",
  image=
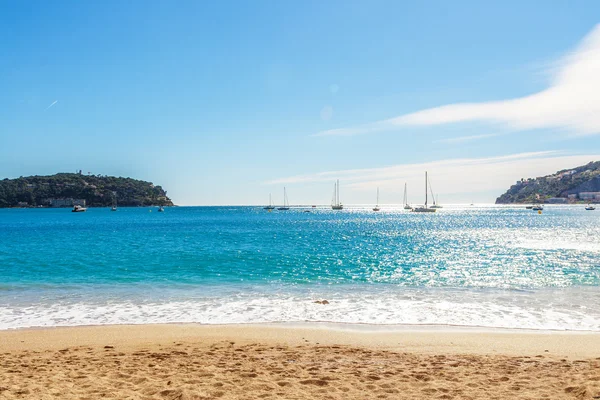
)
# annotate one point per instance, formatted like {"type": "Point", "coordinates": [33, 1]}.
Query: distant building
{"type": "Point", "coordinates": [556, 200]}
{"type": "Point", "coordinates": [61, 202]}
{"type": "Point", "coordinates": [22, 204]}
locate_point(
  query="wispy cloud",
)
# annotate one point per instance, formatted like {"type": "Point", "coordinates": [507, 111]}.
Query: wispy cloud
{"type": "Point", "coordinates": [571, 103]}
{"type": "Point", "coordinates": [452, 176]}
{"type": "Point", "coordinates": [51, 105]}
{"type": "Point", "coordinates": [462, 139]}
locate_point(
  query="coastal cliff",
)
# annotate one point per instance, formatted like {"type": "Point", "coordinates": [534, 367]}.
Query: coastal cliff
{"type": "Point", "coordinates": [566, 186]}
{"type": "Point", "coordinates": [61, 190]}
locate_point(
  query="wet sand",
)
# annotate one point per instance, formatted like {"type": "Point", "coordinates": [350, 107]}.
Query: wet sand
{"type": "Point", "coordinates": [296, 362]}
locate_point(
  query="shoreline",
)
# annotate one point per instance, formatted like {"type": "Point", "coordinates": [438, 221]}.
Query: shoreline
{"type": "Point", "coordinates": [334, 326]}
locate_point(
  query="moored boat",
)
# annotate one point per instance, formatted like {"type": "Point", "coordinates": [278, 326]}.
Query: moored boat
{"type": "Point", "coordinates": [335, 202]}
{"type": "Point", "coordinates": [424, 208]}
{"type": "Point", "coordinates": [286, 205]}
{"type": "Point", "coordinates": [436, 203]}
{"type": "Point", "coordinates": [376, 208]}
{"type": "Point", "coordinates": [406, 205]}
{"type": "Point", "coordinates": [270, 206]}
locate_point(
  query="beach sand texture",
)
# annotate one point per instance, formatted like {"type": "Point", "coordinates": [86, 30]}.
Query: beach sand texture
{"type": "Point", "coordinates": [187, 362]}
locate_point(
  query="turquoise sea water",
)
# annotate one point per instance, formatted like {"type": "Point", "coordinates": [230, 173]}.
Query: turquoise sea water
{"type": "Point", "coordinates": [472, 266]}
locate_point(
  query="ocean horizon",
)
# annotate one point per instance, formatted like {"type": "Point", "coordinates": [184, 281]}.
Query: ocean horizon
{"type": "Point", "coordinates": [467, 266]}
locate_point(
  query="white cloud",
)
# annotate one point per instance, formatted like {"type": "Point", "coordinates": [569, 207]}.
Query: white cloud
{"type": "Point", "coordinates": [453, 176]}
{"type": "Point", "coordinates": [462, 139]}
{"type": "Point", "coordinates": [50, 106]}
{"type": "Point", "coordinates": [571, 103]}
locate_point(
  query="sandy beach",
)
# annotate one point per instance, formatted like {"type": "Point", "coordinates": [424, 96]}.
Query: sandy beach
{"type": "Point", "coordinates": [296, 362]}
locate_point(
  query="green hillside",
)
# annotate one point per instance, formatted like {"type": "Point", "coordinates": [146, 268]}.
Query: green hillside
{"type": "Point", "coordinates": [561, 184]}
{"type": "Point", "coordinates": [96, 190]}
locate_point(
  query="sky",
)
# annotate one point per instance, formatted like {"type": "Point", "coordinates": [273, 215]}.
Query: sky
{"type": "Point", "coordinates": [224, 102]}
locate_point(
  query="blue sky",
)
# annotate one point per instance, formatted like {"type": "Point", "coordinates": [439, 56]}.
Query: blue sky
{"type": "Point", "coordinates": [224, 103]}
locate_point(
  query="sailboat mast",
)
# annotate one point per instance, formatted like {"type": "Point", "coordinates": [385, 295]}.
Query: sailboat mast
{"type": "Point", "coordinates": [377, 196]}
{"type": "Point", "coordinates": [425, 189]}
{"type": "Point", "coordinates": [337, 198]}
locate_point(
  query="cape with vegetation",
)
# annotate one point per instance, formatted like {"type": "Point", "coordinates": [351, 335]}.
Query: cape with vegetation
{"type": "Point", "coordinates": [96, 190]}
{"type": "Point", "coordinates": [561, 184]}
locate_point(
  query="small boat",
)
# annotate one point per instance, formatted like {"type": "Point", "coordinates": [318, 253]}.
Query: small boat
{"type": "Point", "coordinates": [335, 202]}
{"type": "Point", "coordinates": [424, 208]}
{"type": "Point", "coordinates": [436, 204]}
{"type": "Point", "coordinates": [114, 205]}
{"type": "Point", "coordinates": [78, 209]}
{"type": "Point", "coordinates": [538, 207]}
{"type": "Point", "coordinates": [161, 209]}
{"type": "Point", "coordinates": [528, 207]}
{"type": "Point", "coordinates": [286, 205]}
{"type": "Point", "coordinates": [270, 206]}
{"type": "Point", "coordinates": [590, 207]}
{"type": "Point", "coordinates": [376, 208]}
{"type": "Point", "coordinates": [406, 205]}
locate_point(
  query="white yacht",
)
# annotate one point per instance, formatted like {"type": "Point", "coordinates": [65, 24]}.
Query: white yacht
{"type": "Point", "coordinates": [376, 208]}
{"type": "Point", "coordinates": [335, 202]}
{"type": "Point", "coordinates": [424, 208]}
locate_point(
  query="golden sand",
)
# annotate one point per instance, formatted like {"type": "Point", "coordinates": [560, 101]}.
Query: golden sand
{"type": "Point", "coordinates": [279, 362]}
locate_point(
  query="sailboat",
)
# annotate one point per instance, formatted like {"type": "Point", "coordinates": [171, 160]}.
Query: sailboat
{"type": "Point", "coordinates": [424, 209]}
{"type": "Point", "coordinates": [436, 204]}
{"type": "Point", "coordinates": [406, 205]}
{"type": "Point", "coordinates": [335, 202]}
{"type": "Point", "coordinates": [376, 208]}
{"type": "Point", "coordinates": [286, 205]}
{"type": "Point", "coordinates": [270, 206]}
{"type": "Point", "coordinates": [114, 206]}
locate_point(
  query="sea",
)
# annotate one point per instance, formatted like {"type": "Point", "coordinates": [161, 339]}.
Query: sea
{"type": "Point", "coordinates": [463, 266]}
